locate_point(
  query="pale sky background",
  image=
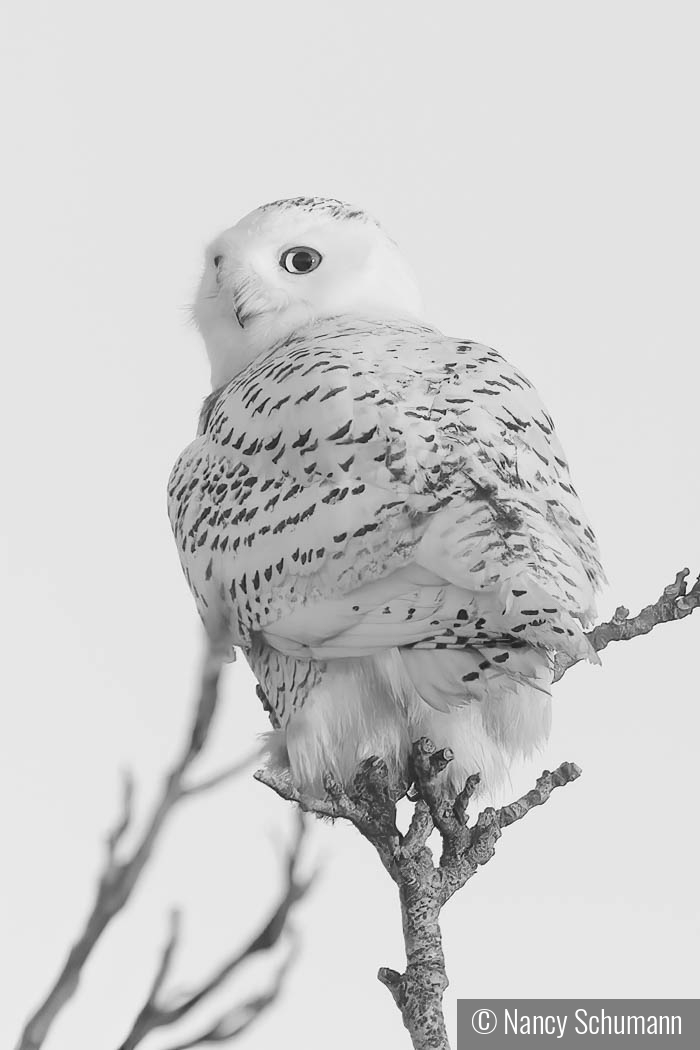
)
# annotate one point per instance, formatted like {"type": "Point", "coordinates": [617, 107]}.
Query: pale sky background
{"type": "Point", "coordinates": [539, 165]}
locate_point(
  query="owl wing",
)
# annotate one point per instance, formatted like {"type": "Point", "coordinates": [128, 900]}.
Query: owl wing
{"type": "Point", "coordinates": [370, 485]}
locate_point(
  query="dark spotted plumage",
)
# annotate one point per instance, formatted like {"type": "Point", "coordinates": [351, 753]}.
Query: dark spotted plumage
{"type": "Point", "coordinates": [380, 517]}
{"type": "Point", "coordinates": [326, 206]}
{"type": "Point", "coordinates": [368, 485]}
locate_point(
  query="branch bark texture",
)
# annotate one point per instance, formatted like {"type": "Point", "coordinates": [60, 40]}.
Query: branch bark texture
{"type": "Point", "coordinates": [425, 886]}
{"type": "Point", "coordinates": [675, 603]}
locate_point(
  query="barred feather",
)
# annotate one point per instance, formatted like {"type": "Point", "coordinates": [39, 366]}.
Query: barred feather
{"type": "Point", "coordinates": [383, 519]}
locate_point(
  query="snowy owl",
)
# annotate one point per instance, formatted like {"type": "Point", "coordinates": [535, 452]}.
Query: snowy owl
{"type": "Point", "coordinates": [380, 517]}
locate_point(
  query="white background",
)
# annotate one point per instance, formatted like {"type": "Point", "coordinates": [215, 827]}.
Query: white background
{"type": "Point", "coordinates": [538, 163]}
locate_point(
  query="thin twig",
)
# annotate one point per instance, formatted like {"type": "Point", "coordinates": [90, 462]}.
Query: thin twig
{"type": "Point", "coordinates": [167, 954]}
{"type": "Point", "coordinates": [121, 827]}
{"type": "Point", "coordinates": [675, 603]}
{"type": "Point", "coordinates": [158, 1013]}
{"type": "Point", "coordinates": [236, 1021]}
{"type": "Point", "coordinates": [119, 877]}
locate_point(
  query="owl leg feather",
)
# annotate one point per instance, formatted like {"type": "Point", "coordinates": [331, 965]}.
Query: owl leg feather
{"type": "Point", "coordinates": [360, 707]}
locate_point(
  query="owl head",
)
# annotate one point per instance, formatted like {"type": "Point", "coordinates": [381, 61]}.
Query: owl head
{"type": "Point", "coordinates": [288, 264]}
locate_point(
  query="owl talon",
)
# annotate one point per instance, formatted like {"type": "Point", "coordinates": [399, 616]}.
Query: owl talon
{"type": "Point", "coordinates": [441, 759]}
{"type": "Point", "coordinates": [325, 428]}
{"type": "Point", "coordinates": [332, 787]}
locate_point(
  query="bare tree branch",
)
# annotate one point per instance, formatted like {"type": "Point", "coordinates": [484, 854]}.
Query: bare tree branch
{"type": "Point", "coordinates": [167, 954]}
{"type": "Point", "coordinates": [236, 1021]}
{"type": "Point", "coordinates": [675, 603]}
{"type": "Point", "coordinates": [157, 1013]}
{"type": "Point", "coordinates": [119, 877]}
{"type": "Point", "coordinates": [425, 887]}
{"type": "Point", "coordinates": [120, 829]}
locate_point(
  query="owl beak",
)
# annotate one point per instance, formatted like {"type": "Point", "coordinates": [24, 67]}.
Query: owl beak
{"type": "Point", "coordinates": [242, 300]}
{"type": "Point", "coordinates": [238, 304]}
{"type": "Point", "coordinates": [238, 314]}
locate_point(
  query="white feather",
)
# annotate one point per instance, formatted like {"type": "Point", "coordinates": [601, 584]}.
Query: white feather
{"type": "Point", "coordinates": [381, 517]}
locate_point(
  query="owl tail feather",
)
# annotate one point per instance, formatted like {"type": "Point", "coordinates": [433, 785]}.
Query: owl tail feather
{"type": "Point", "coordinates": [511, 687]}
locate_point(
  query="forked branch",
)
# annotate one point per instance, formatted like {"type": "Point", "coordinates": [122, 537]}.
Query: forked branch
{"type": "Point", "coordinates": [425, 886]}
{"type": "Point", "coordinates": [121, 873]}
{"type": "Point", "coordinates": [160, 1012]}
{"type": "Point", "coordinates": [675, 603]}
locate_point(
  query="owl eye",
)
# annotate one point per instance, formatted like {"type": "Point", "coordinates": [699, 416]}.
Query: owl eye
{"type": "Point", "coordinates": [300, 260]}
{"type": "Point", "coordinates": [218, 259]}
